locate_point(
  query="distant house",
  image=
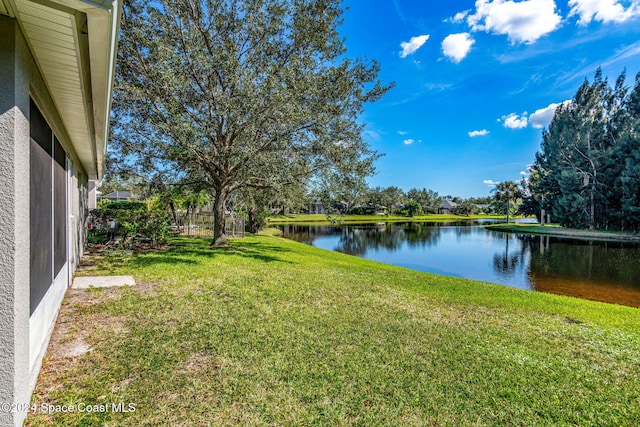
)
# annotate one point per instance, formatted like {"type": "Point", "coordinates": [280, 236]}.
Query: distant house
{"type": "Point", "coordinates": [376, 210]}
{"type": "Point", "coordinates": [316, 207]}
{"type": "Point", "coordinates": [447, 207]}
{"type": "Point", "coordinates": [118, 196]}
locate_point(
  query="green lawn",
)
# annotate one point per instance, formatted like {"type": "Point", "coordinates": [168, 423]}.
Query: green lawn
{"type": "Point", "coordinates": [271, 332]}
{"type": "Point", "coordinates": [556, 230]}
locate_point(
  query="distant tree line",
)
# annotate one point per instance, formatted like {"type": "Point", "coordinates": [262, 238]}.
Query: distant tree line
{"type": "Point", "coordinates": [587, 172]}
{"type": "Point", "coordinates": [395, 201]}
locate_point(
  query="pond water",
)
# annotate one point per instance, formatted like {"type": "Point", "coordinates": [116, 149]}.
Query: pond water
{"type": "Point", "coordinates": [602, 271]}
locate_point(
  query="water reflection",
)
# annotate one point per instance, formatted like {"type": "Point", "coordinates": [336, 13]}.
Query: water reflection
{"type": "Point", "coordinates": [604, 271]}
{"type": "Point", "coordinates": [509, 263]}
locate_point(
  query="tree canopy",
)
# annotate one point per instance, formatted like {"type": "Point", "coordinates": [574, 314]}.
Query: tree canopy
{"type": "Point", "coordinates": [586, 172]}
{"type": "Point", "coordinates": [505, 193]}
{"type": "Point", "coordinates": [228, 95]}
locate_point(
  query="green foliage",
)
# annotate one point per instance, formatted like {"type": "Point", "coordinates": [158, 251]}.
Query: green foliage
{"type": "Point", "coordinates": [413, 208]}
{"type": "Point", "coordinates": [110, 206]}
{"type": "Point", "coordinates": [507, 195]}
{"type": "Point", "coordinates": [134, 221]}
{"type": "Point", "coordinates": [428, 200]}
{"type": "Point", "coordinates": [466, 208]}
{"type": "Point", "coordinates": [257, 205]}
{"type": "Point", "coordinates": [530, 204]}
{"type": "Point", "coordinates": [240, 94]}
{"type": "Point", "coordinates": [340, 192]}
{"type": "Point", "coordinates": [414, 202]}
{"type": "Point", "coordinates": [586, 170]}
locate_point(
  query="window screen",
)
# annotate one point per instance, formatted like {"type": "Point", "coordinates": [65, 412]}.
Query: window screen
{"type": "Point", "coordinates": [59, 208]}
{"type": "Point", "coordinates": [40, 207]}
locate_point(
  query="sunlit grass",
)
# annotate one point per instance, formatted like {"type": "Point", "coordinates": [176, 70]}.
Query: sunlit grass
{"type": "Point", "coordinates": [273, 332]}
{"type": "Point", "coordinates": [557, 230]}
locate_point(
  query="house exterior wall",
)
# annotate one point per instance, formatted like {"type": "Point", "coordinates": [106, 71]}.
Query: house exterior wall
{"type": "Point", "coordinates": [78, 209]}
{"type": "Point", "coordinates": [23, 335]}
{"type": "Point", "coordinates": [14, 222]}
{"type": "Point", "coordinates": [93, 194]}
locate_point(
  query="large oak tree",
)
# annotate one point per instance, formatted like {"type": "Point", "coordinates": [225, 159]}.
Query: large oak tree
{"type": "Point", "coordinates": [240, 94]}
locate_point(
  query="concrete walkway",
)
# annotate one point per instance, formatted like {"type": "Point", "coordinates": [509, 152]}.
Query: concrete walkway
{"type": "Point", "coordinates": [85, 282]}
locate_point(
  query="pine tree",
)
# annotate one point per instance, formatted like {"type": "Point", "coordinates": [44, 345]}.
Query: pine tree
{"type": "Point", "coordinates": [629, 179]}
{"type": "Point", "coordinates": [588, 167]}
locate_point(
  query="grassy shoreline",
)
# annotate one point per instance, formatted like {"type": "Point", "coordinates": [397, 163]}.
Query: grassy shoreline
{"type": "Point", "coordinates": [557, 231]}
{"type": "Point", "coordinates": [321, 219]}
{"type": "Point", "coordinates": [273, 332]}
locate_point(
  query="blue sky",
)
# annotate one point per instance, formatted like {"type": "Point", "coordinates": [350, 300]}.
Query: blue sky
{"type": "Point", "coordinates": [475, 82]}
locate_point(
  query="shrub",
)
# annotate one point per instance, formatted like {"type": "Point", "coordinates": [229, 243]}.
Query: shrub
{"type": "Point", "coordinates": [134, 221]}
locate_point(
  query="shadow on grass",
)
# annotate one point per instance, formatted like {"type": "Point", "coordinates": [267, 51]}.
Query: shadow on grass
{"type": "Point", "coordinates": [254, 250]}
{"type": "Point", "coordinates": [196, 251]}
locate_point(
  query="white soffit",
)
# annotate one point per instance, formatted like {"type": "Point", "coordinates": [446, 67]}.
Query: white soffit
{"type": "Point", "coordinates": [73, 43]}
{"type": "Point", "coordinates": [52, 36]}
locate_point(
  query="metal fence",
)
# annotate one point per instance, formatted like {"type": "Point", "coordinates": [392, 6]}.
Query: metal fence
{"type": "Point", "coordinates": [201, 225]}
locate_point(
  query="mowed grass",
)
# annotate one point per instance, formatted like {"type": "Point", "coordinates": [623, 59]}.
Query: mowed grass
{"type": "Point", "coordinates": [271, 332]}
{"type": "Point", "coordinates": [557, 230]}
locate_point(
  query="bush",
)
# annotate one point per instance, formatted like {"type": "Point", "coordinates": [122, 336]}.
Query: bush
{"type": "Point", "coordinates": [134, 222]}
{"type": "Point", "coordinates": [130, 206]}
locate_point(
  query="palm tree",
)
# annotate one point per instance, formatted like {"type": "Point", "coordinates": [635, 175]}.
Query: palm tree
{"type": "Point", "coordinates": [505, 192]}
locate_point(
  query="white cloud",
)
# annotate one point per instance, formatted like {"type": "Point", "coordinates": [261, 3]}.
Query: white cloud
{"type": "Point", "coordinates": [413, 45]}
{"type": "Point", "coordinates": [408, 141]}
{"type": "Point", "coordinates": [490, 182]}
{"type": "Point", "coordinates": [514, 121]}
{"type": "Point", "coordinates": [458, 17]}
{"type": "Point", "coordinates": [602, 10]}
{"type": "Point", "coordinates": [475, 133]}
{"type": "Point", "coordinates": [542, 117]}
{"type": "Point", "coordinates": [522, 22]}
{"type": "Point", "coordinates": [524, 173]}
{"type": "Point", "coordinates": [457, 46]}
{"type": "Point", "coordinates": [402, 132]}
{"type": "Point", "coordinates": [369, 133]}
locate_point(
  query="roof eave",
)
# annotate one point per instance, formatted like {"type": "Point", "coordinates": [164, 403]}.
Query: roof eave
{"type": "Point", "coordinates": [96, 49]}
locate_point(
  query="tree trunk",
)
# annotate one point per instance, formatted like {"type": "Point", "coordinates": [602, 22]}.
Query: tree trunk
{"type": "Point", "coordinates": [253, 220]}
{"type": "Point", "coordinates": [592, 210]}
{"type": "Point", "coordinates": [219, 238]}
{"type": "Point", "coordinates": [173, 211]}
{"type": "Point", "coordinates": [508, 209]}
